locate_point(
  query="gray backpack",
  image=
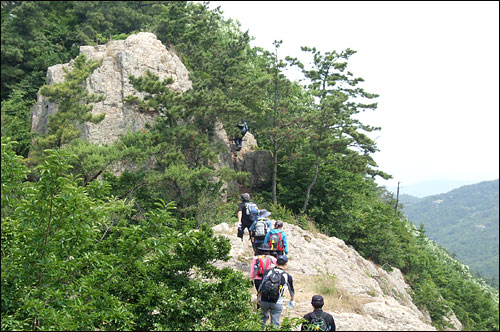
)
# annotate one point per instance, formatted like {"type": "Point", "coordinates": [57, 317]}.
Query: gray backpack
{"type": "Point", "coordinates": [260, 228]}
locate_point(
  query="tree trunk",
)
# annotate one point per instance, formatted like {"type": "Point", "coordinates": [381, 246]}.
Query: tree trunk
{"type": "Point", "coordinates": [316, 171]}
{"type": "Point", "coordinates": [275, 170]}
{"type": "Point", "coordinates": [275, 143]}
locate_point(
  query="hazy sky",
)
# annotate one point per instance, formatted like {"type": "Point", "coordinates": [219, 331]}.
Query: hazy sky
{"type": "Point", "coordinates": [435, 66]}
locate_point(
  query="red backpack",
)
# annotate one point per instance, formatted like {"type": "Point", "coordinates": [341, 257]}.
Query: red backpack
{"type": "Point", "coordinates": [262, 266]}
{"type": "Point", "coordinates": [276, 241]}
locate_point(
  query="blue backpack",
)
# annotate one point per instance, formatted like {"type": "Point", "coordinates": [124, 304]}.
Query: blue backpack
{"type": "Point", "coordinates": [252, 211]}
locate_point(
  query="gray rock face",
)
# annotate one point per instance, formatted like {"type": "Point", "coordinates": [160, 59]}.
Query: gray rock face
{"type": "Point", "coordinates": [249, 159]}
{"type": "Point", "coordinates": [134, 56]}
{"type": "Point", "coordinates": [367, 297]}
{"type": "Point", "coordinates": [121, 58]}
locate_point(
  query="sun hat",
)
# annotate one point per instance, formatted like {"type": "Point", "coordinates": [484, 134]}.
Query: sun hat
{"type": "Point", "coordinates": [264, 213]}
{"type": "Point", "coordinates": [264, 247]}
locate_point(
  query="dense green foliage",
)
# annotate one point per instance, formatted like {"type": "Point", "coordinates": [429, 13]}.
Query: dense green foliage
{"type": "Point", "coordinates": [74, 259]}
{"type": "Point", "coordinates": [86, 248]}
{"type": "Point", "coordinates": [74, 106]}
{"type": "Point", "coordinates": [465, 222]}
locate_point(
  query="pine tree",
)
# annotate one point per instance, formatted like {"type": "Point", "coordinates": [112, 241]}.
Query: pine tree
{"type": "Point", "coordinates": [74, 105]}
{"type": "Point", "coordinates": [331, 127]}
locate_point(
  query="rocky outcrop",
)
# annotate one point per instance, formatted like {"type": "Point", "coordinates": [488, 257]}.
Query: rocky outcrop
{"type": "Point", "coordinates": [120, 59]}
{"type": "Point", "coordinates": [134, 56]}
{"type": "Point", "coordinates": [365, 298]}
{"type": "Point", "coordinates": [249, 159]}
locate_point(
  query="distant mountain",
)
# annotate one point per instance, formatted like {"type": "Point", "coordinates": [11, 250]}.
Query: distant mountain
{"type": "Point", "coordinates": [465, 222]}
{"type": "Point", "coordinates": [428, 188]}
{"type": "Point", "coordinates": [408, 199]}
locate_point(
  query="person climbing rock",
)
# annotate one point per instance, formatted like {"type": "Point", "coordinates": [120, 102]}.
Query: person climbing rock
{"type": "Point", "coordinates": [318, 320]}
{"type": "Point", "coordinates": [276, 239]}
{"type": "Point", "coordinates": [238, 141]}
{"type": "Point", "coordinates": [259, 228]}
{"type": "Point", "coordinates": [261, 263]}
{"type": "Point", "coordinates": [271, 290]}
{"type": "Point", "coordinates": [247, 214]}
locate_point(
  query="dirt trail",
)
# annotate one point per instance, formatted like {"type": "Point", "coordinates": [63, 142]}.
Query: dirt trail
{"type": "Point", "coordinates": [360, 295]}
{"type": "Point", "coordinates": [305, 285]}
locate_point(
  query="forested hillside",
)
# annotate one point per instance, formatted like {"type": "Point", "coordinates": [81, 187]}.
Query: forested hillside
{"type": "Point", "coordinates": [85, 248]}
{"type": "Point", "coordinates": [465, 222]}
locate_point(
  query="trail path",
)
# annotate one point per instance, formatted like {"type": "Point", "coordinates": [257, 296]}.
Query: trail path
{"type": "Point", "coordinates": [360, 295]}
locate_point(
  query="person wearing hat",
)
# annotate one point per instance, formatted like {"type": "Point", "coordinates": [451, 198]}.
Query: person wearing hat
{"type": "Point", "coordinates": [259, 229]}
{"type": "Point", "coordinates": [277, 234]}
{"type": "Point", "coordinates": [269, 305]}
{"type": "Point", "coordinates": [262, 262]}
{"type": "Point", "coordinates": [318, 320]}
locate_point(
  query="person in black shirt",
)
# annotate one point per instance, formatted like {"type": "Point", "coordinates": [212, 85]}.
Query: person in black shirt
{"type": "Point", "coordinates": [318, 320]}
{"type": "Point", "coordinates": [239, 140]}
{"type": "Point", "coordinates": [243, 218]}
{"type": "Point", "coordinates": [274, 306]}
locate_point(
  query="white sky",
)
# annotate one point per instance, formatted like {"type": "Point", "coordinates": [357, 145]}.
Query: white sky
{"type": "Point", "coordinates": [435, 66]}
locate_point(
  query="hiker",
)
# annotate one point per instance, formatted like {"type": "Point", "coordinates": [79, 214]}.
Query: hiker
{"type": "Point", "coordinates": [318, 320]}
{"type": "Point", "coordinates": [261, 263]}
{"type": "Point", "coordinates": [271, 290]}
{"type": "Point", "coordinates": [276, 239]}
{"type": "Point", "coordinates": [239, 140]}
{"type": "Point", "coordinates": [259, 228]}
{"type": "Point", "coordinates": [247, 214]}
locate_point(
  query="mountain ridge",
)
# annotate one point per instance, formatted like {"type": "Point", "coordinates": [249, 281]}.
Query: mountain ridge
{"type": "Point", "coordinates": [464, 221]}
{"type": "Point", "coordinates": [429, 188]}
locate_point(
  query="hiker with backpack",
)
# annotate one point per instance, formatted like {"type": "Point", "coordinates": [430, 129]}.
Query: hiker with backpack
{"type": "Point", "coordinates": [259, 229]}
{"type": "Point", "coordinates": [276, 239]}
{"type": "Point", "coordinates": [261, 263]}
{"type": "Point", "coordinates": [238, 141]}
{"type": "Point", "coordinates": [247, 214]}
{"type": "Point", "coordinates": [271, 290]}
{"type": "Point", "coordinates": [318, 320]}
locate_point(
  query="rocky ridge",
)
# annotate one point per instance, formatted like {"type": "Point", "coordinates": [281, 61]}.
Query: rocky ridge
{"type": "Point", "coordinates": [366, 298]}
{"type": "Point", "coordinates": [120, 59]}
{"type": "Point", "coordinates": [135, 55]}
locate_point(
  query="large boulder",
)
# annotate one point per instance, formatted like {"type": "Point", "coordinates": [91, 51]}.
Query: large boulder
{"type": "Point", "coordinates": [120, 59]}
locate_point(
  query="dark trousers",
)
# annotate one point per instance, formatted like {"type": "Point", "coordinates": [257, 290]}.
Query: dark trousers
{"type": "Point", "coordinates": [243, 226]}
{"type": "Point", "coordinates": [238, 142]}
{"type": "Point", "coordinates": [257, 283]}
{"type": "Point", "coordinates": [256, 243]}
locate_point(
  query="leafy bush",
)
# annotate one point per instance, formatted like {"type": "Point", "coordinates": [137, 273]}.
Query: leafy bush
{"type": "Point", "coordinates": [73, 259]}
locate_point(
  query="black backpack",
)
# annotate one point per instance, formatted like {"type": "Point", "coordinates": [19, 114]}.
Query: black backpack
{"type": "Point", "coordinates": [318, 323]}
{"type": "Point", "coordinates": [272, 287]}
